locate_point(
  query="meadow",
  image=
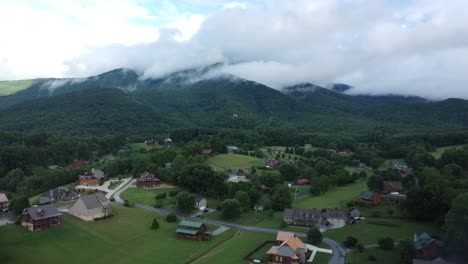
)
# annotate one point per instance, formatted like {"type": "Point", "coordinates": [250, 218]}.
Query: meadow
{"type": "Point", "coordinates": [225, 162]}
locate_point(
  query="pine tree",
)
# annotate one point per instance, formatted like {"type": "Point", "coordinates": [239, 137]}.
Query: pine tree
{"type": "Point", "coordinates": [155, 224]}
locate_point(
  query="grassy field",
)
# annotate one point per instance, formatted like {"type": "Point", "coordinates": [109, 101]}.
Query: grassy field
{"type": "Point", "coordinates": [146, 196]}
{"type": "Point", "coordinates": [382, 256]}
{"type": "Point", "coordinates": [368, 233]}
{"type": "Point", "coordinates": [235, 249]}
{"type": "Point", "coordinates": [124, 238]}
{"type": "Point", "coordinates": [138, 146]}
{"type": "Point", "coordinates": [436, 154]}
{"type": "Point", "coordinates": [225, 162]}
{"type": "Point", "coordinates": [251, 218]}
{"type": "Point", "coordinates": [11, 87]}
{"type": "Point", "coordinates": [337, 197]}
{"type": "Point", "coordinates": [322, 258]}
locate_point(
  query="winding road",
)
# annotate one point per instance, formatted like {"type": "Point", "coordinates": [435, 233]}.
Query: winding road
{"type": "Point", "coordinates": [338, 255]}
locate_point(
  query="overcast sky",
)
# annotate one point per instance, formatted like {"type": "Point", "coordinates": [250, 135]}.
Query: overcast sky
{"type": "Point", "coordinates": [403, 47]}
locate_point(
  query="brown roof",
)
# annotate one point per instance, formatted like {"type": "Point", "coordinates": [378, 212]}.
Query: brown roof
{"type": "Point", "coordinates": [93, 201]}
{"type": "Point", "coordinates": [294, 243]}
{"type": "Point", "coordinates": [283, 236]}
{"type": "Point", "coordinates": [78, 164]}
{"type": "Point", "coordinates": [207, 151]}
{"type": "Point", "coordinates": [391, 186]}
{"type": "Point", "coordinates": [98, 174]}
{"type": "Point", "coordinates": [3, 198]}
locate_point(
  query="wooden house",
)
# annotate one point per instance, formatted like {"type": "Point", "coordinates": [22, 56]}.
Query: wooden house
{"type": "Point", "coordinates": [289, 249]}
{"type": "Point", "coordinates": [92, 178]}
{"type": "Point", "coordinates": [272, 163]}
{"type": "Point", "coordinates": [192, 230]}
{"type": "Point", "coordinates": [370, 198]}
{"type": "Point", "coordinates": [91, 207]}
{"type": "Point", "coordinates": [148, 180]}
{"type": "Point", "coordinates": [3, 203]}
{"type": "Point", "coordinates": [207, 152]}
{"type": "Point", "coordinates": [41, 217]}
{"type": "Point", "coordinates": [427, 247]}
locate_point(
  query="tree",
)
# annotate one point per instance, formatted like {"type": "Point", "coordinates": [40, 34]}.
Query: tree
{"type": "Point", "coordinates": [372, 259]}
{"type": "Point", "coordinates": [281, 198]}
{"type": "Point", "coordinates": [350, 242]}
{"type": "Point", "coordinates": [17, 205]}
{"type": "Point", "coordinates": [314, 236]}
{"type": "Point", "coordinates": [456, 223]}
{"type": "Point", "coordinates": [375, 183]}
{"type": "Point", "coordinates": [407, 252]}
{"type": "Point", "coordinates": [363, 174]}
{"type": "Point", "coordinates": [289, 172]}
{"type": "Point", "coordinates": [185, 202]}
{"type": "Point", "coordinates": [243, 198]}
{"type": "Point", "coordinates": [171, 218]}
{"type": "Point", "coordinates": [231, 208]}
{"type": "Point", "coordinates": [386, 243]}
{"type": "Point", "coordinates": [155, 224]}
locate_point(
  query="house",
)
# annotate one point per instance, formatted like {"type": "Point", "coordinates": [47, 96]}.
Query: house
{"type": "Point", "coordinates": [434, 261]}
{"type": "Point", "coordinates": [147, 180]}
{"type": "Point", "coordinates": [168, 142]}
{"type": "Point", "coordinates": [427, 247]}
{"type": "Point", "coordinates": [91, 207]}
{"type": "Point", "coordinates": [303, 181]}
{"type": "Point", "coordinates": [272, 163]}
{"type": "Point", "coordinates": [278, 150]}
{"type": "Point", "coordinates": [355, 214]}
{"type": "Point", "coordinates": [192, 230]}
{"type": "Point", "coordinates": [207, 152]}
{"type": "Point", "coordinates": [3, 203]}
{"type": "Point", "coordinates": [41, 217]}
{"type": "Point", "coordinates": [391, 187]}
{"type": "Point", "coordinates": [404, 172]}
{"type": "Point", "coordinates": [61, 193]}
{"type": "Point", "coordinates": [343, 154]}
{"type": "Point", "coordinates": [314, 217]}
{"type": "Point", "coordinates": [243, 173]}
{"type": "Point", "coordinates": [92, 178]}
{"type": "Point", "coordinates": [231, 149]}
{"type": "Point", "coordinates": [78, 164]}
{"type": "Point", "coordinates": [370, 198]}
{"type": "Point", "coordinates": [150, 142]}
{"type": "Point", "coordinates": [201, 203]}
{"type": "Point", "coordinates": [289, 250]}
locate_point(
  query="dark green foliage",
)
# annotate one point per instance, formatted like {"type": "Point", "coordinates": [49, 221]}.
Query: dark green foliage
{"type": "Point", "coordinates": [243, 198]}
{"type": "Point", "coordinates": [155, 224]}
{"type": "Point", "coordinates": [456, 223]}
{"type": "Point", "coordinates": [375, 183]}
{"type": "Point", "coordinates": [160, 196]}
{"type": "Point", "coordinates": [185, 202]}
{"type": "Point", "coordinates": [171, 218]}
{"type": "Point", "coordinates": [372, 259]}
{"type": "Point", "coordinates": [314, 236]}
{"type": "Point", "coordinates": [231, 208]}
{"type": "Point", "coordinates": [407, 251]}
{"type": "Point", "coordinates": [386, 243]}
{"type": "Point", "coordinates": [17, 205]}
{"type": "Point", "coordinates": [350, 242]}
{"type": "Point", "coordinates": [281, 198]}
{"type": "Point", "coordinates": [289, 172]}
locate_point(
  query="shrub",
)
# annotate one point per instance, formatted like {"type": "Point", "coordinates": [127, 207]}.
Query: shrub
{"type": "Point", "coordinates": [386, 243]}
{"type": "Point", "coordinates": [112, 199]}
{"type": "Point", "coordinates": [390, 212]}
{"type": "Point", "coordinates": [127, 203]}
{"type": "Point", "coordinates": [372, 258]}
{"type": "Point", "coordinates": [360, 248]}
{"type": "Point", "coordinates": [314, 236]}
{"type": "Point", "coordinates": [160, 196]}
{"type": "Point", "coordinates": [171, 218]}
{"type": "Point", "coordinates": [283, 224]}
{"type": "Point", "coordinates": [155, 224]}
{"type": "Point", "coordinates": [159, 204]}
{"type": "Point", "coordinates": [173, 193]}
{"type": "Point", "coordinates": [350, 242]}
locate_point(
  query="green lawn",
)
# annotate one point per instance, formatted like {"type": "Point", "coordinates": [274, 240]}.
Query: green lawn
{"type": "Point", "coordinates": [382, 256]}
{"type": "Point", "coordinates": [337, 197]}
{"type": "Point", "coordinates": [225, 162]}
{"type": "Point", "coordinates": [438, 152]}
{"type": "Point", "coordinates": [146, 196]}
{"type": "Point", "coordinates": [368, 233]}
{"type": "Point", "coordinates": [124, 238]}
{"type": "Point", "coordinates": [250, 218]}
{"type": "Point", "coordinates": [321, 258]}
{"type": "Point", "coordinates": [235, 249]}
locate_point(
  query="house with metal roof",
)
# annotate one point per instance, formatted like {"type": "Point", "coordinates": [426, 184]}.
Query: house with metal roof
{"type": "Point", "coordinates": [192, 230]}
{"type": "Point", "coordinates": [61, 193]}
{"type": "Point", "coordinates": [427, 247]}
{"type": "Point", "coordinates": [289, 249]}
{"type": "Point", "coordinates": [3, 202]}
{"type": "Point", "coordinates": [39, 218]}
{"type": "Point", "coordinates": [91, 207]}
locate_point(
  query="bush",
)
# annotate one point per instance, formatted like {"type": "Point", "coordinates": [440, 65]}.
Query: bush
{"type": "Point", "coordinates": [314, 236]}
{"type": "Point", "coordinates": [283, 224]}
{"type": "Point", "coordinates": [390, 212]}
{"type": "Point", "coordinates": [155, 224]}
{"type": "Point", "coordinates": [171, 218]}
{"type": "Point", "coordinates": [158, 204]}
{"type": "Point", "coordinates": [386, 243]}
{"type": "Point", "coordinates": [160, 196]}
{"type": "Point", "coordinates": [350, 242]}
{"type": "Point", "coordinates": [372, 259]}
{"type": "Point", "coordinates": [173, 193]}
{"type": "Point", "coordinates": [127, 203]}
{"type": "Point", "coordinates": [360, 248]}
{"type": "Point", "coordinates": [112, 199]}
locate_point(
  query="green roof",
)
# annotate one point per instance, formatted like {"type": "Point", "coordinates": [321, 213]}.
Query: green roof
{"type": "Point", "coordinates": [186, 231]}
{"type": "Point", "coordinates": [190, 224]}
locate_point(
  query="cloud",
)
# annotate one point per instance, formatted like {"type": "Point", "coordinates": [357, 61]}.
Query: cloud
{"type": "Point", "coordinates": [417, 47]}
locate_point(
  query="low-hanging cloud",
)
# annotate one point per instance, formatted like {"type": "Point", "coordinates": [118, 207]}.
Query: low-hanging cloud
{"type": "Point", "coordinates": [417, 47]}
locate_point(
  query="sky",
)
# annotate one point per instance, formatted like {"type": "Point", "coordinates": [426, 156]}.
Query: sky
{"type": "Point", "coordinates": [407, 47]}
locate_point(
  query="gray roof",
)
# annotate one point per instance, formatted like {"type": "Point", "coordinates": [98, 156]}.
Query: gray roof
{"type": "Point", "coordinates": [367, 195]}
{"type": "Point", "coordinates": [98, 174]}
{"type": "Point", "coordinates": [93, 201]}
{"type": "Point", "coordinates": [54, 192]}
{"type": "Point", "coordinates": [42, 212]}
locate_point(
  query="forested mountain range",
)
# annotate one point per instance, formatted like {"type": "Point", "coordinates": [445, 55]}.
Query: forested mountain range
{"type": "Point", "coordinates": [120, 102]}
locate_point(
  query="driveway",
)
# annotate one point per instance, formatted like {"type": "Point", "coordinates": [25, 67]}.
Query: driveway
{"type": "Point", "coordinates": [6, 219]}
{"type": "Point", "coordinates": [105, 187]}
{"type": "Point", "coordinates": [119, 190]}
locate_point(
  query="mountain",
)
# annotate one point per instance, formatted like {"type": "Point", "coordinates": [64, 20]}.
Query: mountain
{"type": "Point", "coordinates": [121, 102]}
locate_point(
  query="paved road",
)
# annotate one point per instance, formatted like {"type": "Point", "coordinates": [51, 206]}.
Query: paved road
{"type": "Point", "coordinates": [121, 189]}
{"type": "Point", "coordinates": [105, 187]}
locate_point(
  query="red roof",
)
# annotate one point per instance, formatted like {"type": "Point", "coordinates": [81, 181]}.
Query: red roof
{"type": "Point", "coordinates": [303, 181]}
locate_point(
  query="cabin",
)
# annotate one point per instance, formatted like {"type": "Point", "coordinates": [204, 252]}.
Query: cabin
{"type": "Point", "coordinates": [3, 203]}
{"type": "Point", "coordinates": [314, 217]}
{"type": "Point", "coordinates": [39, 218]}
{"type": "Point", "coordinates": [78, 164]}
{"type": "Point", "coordinates": [58, 194]}
{"type": "Point", "coordinates": [427, 247]}
{"type": "Point", "coordinates": [91, 207]}
{"type": "Point", "coordinates": [150, 142]}
{"type": "Point", "coordinates": [272, 163]}
{"type": "Point", "coordinates": [303, 181]}
{"type": "Point", "coordinates": [192, 230]}
{"type": "Point", "coordinates": [92, 178]}
{"type": "Point", "coordinates": [201, 203]}
{"type": "Point", "coordinates": [391, 187]}
{"type": "Point", "coordinates": [207, 152]}
{"type": "Point", "coordinates": [370, 198]}
{"type": "Point", "coordinates": [289, 249]}
{"type": "Point", "coordinates": [148, 180]}
{"type": "Point", "coordinates": [231, 149]}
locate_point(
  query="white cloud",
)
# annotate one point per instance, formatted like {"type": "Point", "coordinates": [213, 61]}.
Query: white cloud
{"type": "Point", "coordinates": [416, 47]}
